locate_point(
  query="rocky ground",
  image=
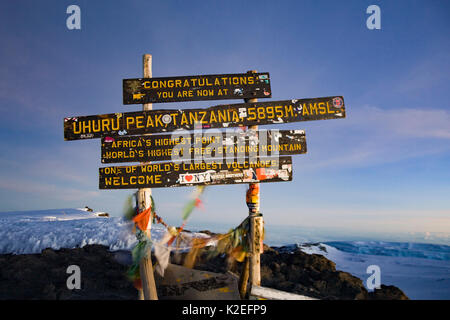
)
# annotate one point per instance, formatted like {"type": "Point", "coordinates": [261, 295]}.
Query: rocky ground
{"type": "Point", "coordinates": [311, 275]}
{"type": "Point", "coordinates": [43, 276]}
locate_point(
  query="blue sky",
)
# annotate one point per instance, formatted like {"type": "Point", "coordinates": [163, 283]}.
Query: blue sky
{"type": "Point", "coordinates": [385, 168]}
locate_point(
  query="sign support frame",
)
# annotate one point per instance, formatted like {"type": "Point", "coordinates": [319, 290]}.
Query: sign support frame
{"type": "Point", "coordinates": [251, 272]}
{"type": "Point", "coordinates": [148, 291]}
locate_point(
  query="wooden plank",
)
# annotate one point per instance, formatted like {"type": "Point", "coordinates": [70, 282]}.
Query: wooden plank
{"type": "Point", "coordinates": [264, 293]}
{"type": "Point", "coordinates": [196, 88]}
{"type": "Point", "coordinates": [220, 144]}
{"type": "Point", "coordinates": [171, 174]}
{"type": "Point", "coordinates": [222, 116]}
{"type": "Point", "coordinates": [180, 283]}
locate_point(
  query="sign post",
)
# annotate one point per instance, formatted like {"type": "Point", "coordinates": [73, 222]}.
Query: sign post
{"type": "Point", "coordinates": [127, 137]}
{"type": "Point", "coordinates": [252, 269]}
{"type": "Point", "coordinates": [220, 116]}
{"type": "Point", "coordinates": [166, 147]}
{"type": "Point", "coordinates": [144, 202]}
{"type": "Point", "coordinates": [207, 172]}
{"type": "Point", "coordinates": [196, 88]}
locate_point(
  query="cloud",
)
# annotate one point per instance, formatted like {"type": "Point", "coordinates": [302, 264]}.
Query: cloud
{"type": "Point", "coordinates": [426, 74]}
{"type": "Point", "coordinates": [372, 135]}
{"type": "Point", "coordinates": [404, 122]}
{"type": "Point", "coordinates": [50, 191]}
{"type": "Point", "coordinates": [370, 220]}
{"type": "Point", "coordinates": [62, 163]}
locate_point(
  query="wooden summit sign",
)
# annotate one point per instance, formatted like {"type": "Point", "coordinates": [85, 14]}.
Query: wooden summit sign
{"type": "Point", "coordinates": [221, 116]}
{"type": "Point", "coordinates": [171, 174]}
{"type": "Point", "coordinates": [194, 88]}
{"type": "Point", "coordinates": [189, 146]}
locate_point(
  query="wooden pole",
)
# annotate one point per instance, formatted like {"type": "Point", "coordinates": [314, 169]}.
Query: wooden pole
{"type": "Point", "coordinates": [144, 202]}
{"type": "Point", "coordinates": [252, 268]}
{"type": "Point", "coordinates": [243, 279]}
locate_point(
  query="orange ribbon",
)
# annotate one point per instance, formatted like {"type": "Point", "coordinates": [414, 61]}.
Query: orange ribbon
{"type": "Point", "coordinates": [143, 218]}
